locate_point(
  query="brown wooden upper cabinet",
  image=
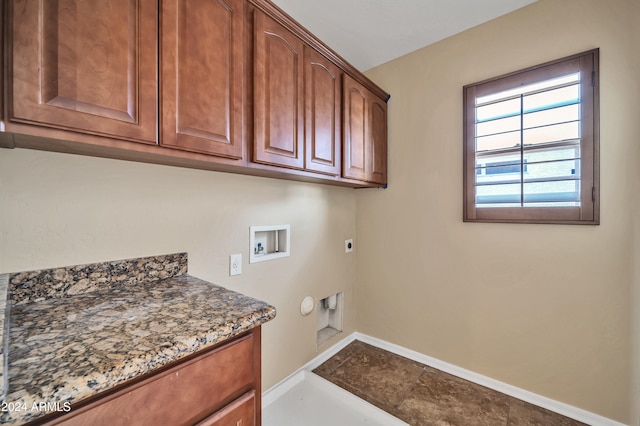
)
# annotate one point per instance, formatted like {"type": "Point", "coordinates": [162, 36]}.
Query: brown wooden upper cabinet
{"type": "Point", "coordinates": [323, 113]}
{"type": "Point", "coordinates": [86, 66]}
{"type": "Point", "coordinates": [297, 108]}
{"type": "Point", "coordinates": [99, 72]}
{"type": "Point", "coordinates": [230, 85]}
{"type": "Point", "coordinates": [365, 134]}
{"type": "Point", "coordinates": [201, 75]}
{"type": "Point", "coordinates": [278, 95]}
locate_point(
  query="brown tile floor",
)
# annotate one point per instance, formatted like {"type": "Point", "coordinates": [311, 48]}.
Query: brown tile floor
{"type": "Point", "coordinates": [421, 395]}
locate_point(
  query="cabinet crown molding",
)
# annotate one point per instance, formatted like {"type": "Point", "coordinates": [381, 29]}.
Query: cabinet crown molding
{"type": "Point", "coordinates": [294, 26]}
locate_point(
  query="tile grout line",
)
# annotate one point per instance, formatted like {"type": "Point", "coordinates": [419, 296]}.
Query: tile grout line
{"type": "Point", "coordinates": [387, 355]}
{"type": "Point", "coordinates": [411, 389]}
{"type": "Point", "coordinates": [555, 407]}
{"type": "Point", "coordinates": [424, 368]}
{"type": "Point", "coordinates": [370, 398]}
{"type": "Point", "coordinates": [333, 370]}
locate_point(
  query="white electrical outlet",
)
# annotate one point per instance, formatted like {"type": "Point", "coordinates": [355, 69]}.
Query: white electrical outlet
{"type": "Point", "coordinates": [235, 264]}
{"type": "Point", "coordinates": [348, 246]}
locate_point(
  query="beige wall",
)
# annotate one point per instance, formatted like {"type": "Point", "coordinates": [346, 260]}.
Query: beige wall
{"type": "Point", "coordinates": [59, 209]}
{"type": "Point", "coordinates": [545, 308]}
{"type": "Point", "coordinates": [635, 300]}
{"type": "Point", "coordinates": [542, 307]}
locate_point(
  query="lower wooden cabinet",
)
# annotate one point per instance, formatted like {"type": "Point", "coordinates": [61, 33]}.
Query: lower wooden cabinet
{"type": "Point", "coordinates": [241, 412]}
{"type": "Point", "coordinates": [217, 387]}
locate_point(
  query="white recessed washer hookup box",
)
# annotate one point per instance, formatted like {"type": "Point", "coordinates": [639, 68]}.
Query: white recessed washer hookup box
{"type": "Point", "coordinates": [269, 242]}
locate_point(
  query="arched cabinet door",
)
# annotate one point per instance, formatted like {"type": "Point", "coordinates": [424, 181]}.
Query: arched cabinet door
{"type": "Point", "coordinates": [378, 140]}
{"type": "Point", "coordinates": [364, 154]}
{"type": "Point", "coordinates": [278, 95]}
{"type": "Point", "coordinates": [323, 113]}
{"type": "Point", "coordinates": [86, 66]}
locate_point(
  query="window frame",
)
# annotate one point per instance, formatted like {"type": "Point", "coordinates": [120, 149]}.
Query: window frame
{"type": "Point", "coordinates": [588, 213]}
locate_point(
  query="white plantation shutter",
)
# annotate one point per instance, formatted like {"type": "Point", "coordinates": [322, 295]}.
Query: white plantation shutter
{"type": "Point", "coordinates": [531, 144]}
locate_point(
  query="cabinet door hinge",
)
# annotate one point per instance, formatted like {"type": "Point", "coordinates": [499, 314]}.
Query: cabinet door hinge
{"type": "Point", "coordinates": [593, 194]}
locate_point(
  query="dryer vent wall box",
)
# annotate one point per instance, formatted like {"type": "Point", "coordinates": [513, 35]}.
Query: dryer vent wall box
{"type": "Point", "coordinates": [269, 242]}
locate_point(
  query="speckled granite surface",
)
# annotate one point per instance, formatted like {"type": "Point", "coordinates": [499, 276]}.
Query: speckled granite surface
{"type": "Point", "coordinates": [53, 283]}
{"type": "Point", "coordinates": [68, 348]}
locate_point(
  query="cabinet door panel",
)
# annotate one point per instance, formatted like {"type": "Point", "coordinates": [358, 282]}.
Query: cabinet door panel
{"type": "Point", "coordinates": [365, 134]}
{"type": "Point", "coordinates": [322, 114]}
{"type": "Point", "coordinates": [87, 66]}
{"type": "Point", "coordinates": [355, 150]}
{"type": "Point", "coordinates": [278, 92]}
{"type": "Point", "coordinates": [202, 75]}
{"type": "Point", "coordinates": [378, 138]}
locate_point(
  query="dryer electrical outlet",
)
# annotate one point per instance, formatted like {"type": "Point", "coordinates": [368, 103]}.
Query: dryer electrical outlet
{"type": "Point", "coordinates": [348, 246]}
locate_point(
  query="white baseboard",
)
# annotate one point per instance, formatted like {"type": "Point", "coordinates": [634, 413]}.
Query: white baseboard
{"type": "Point", "coordinates": [558, 407]}
{"type": "Point", "coordinates": [282, 387]}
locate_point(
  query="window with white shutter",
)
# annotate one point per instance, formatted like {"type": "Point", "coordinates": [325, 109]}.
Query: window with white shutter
{"type": "Point", "coordinates": [531, 145]}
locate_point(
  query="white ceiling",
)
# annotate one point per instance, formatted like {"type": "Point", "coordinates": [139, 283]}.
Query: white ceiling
{"type": "Point", "coordinates": [371, 32]}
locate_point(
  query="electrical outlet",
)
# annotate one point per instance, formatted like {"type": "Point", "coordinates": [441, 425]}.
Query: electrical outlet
{"type": "Point", "coordinates": [348, 246]}
{"type": "Point", "coordinates": [235, 264]}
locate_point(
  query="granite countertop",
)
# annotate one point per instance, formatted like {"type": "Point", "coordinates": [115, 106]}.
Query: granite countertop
{"type": "Point", "coordinates": [65, 346]}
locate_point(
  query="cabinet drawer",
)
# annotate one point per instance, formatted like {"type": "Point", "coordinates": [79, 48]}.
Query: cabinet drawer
{"type": "Point", "coordinates": [240, 412]}
{"type": "Point", "coordinates": [181, 395]}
